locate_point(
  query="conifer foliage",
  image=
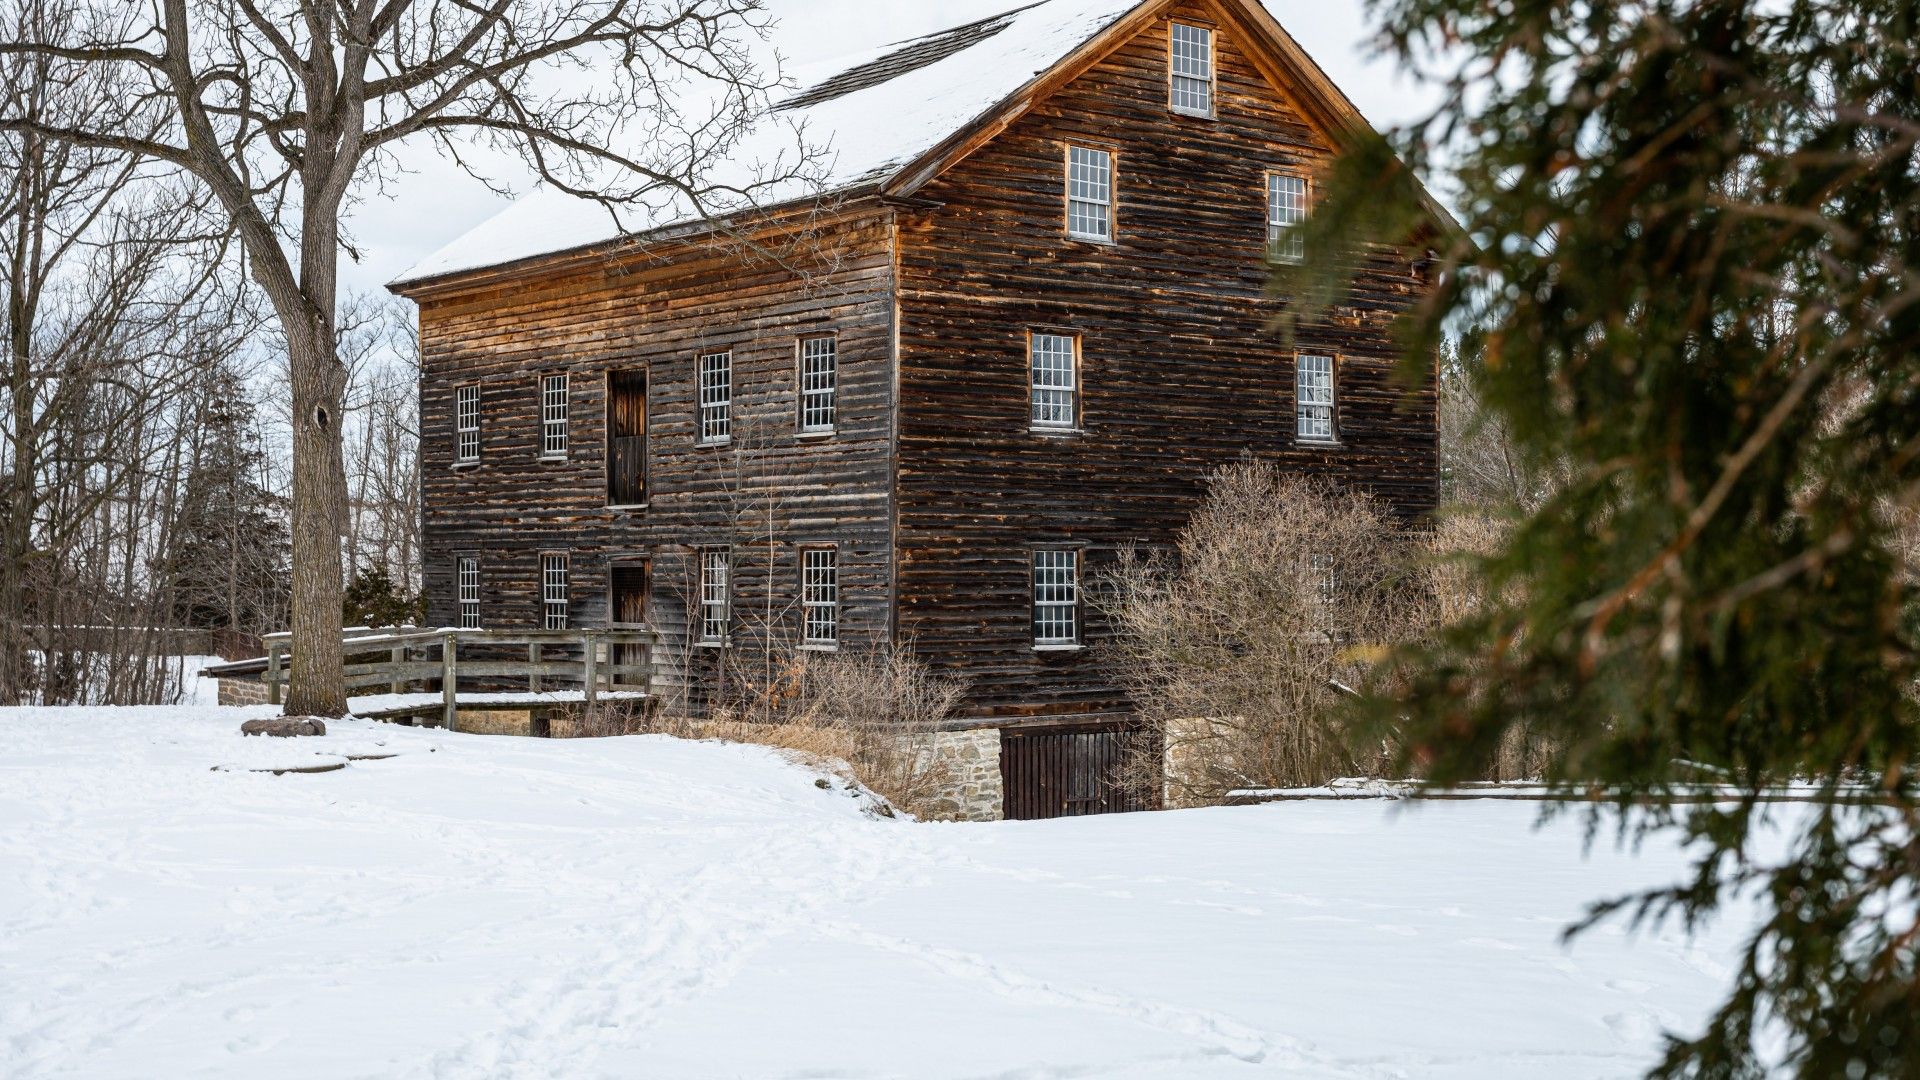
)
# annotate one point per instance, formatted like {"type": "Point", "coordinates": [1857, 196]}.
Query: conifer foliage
{"type": "Point", "coordinates": [1691, 235]}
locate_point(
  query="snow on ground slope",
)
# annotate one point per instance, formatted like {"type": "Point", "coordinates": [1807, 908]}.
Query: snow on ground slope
{"type": "Point", "coordinates": [489, 907]}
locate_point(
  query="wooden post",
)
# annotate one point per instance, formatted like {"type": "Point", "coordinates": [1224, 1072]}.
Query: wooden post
{"type": "Point", "coordinates": [591, 675]}
{"type": "Point", "coordinates": [533, 667]}
{"type": "Point", "coordinates": [399, 660]}
{"type": "Point", "coordinates": [273, 674]}
{"type": "Point", "coordinates": [449, 683]}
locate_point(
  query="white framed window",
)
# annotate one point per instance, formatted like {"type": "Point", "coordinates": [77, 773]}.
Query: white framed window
{"type": "Point", "coordinates": [466, 424]}
{"type": "Point", "coordinates": [819, 383]}
{"type": "Point", "coordinates": [1089, 193]}
{"type": "Point", "coordinates": [716, 398]}
{"type": "Point", "coordinates": [553, 590]}
{"type": "Point", "coordinates": [1054, 363]}
{"type": "Point", "coordinates": [553, 416]}
{"type": "Point", "coordinates": [467, 581]}
{"type": "Point", "coordinates": [1286, 211]}
{"type": "Point", "coordinates": [716, 593]}
{"type": "Point", "coordinates": [1056, 596]}
{"type": "Point", "coordinates": [820, 595]}
{"type": "Point", "coordinates": [1313, 398]}
{"type": "Point", "coordinates": [1321, 579]}
{"type": "Point", "coordinates": [1192, 70]}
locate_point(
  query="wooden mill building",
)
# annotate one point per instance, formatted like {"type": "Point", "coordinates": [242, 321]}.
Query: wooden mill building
{"type": "Point", "coordinates": [1027, 317]}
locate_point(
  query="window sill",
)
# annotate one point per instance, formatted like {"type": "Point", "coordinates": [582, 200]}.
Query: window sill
{"type": "Point", "coordinates": [820, 647]}
{"type": "Point", "coordinates": [713, 644]}
{"type": "Point", "coordinates": [1319, 444]}
{"type": "Point", "coordinates": [1056, 432]}
{"type": "Point", "coordinates": [824, 433]}
{"type": "Point", "coordinates": [714, 443]}
{"type": "Point", "coordinates": [1098, 241]}
{"type": "Point", "coordinates": [627, 508]}
{"type": "Point", "coordinates": [465, 466]}
{"type": "Point", "coordinates": [1062, 648]}
{"type": "Point", "coordinates": [1193, 114]}
{"type": "Point", "coordinates": [553, 459]}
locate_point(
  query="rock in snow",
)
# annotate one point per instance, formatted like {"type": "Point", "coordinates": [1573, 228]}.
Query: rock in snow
{"type": "Point", "coordinates": [285, 727]}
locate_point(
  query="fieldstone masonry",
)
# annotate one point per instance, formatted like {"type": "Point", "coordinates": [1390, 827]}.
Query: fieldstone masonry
{"type": "Point", "coordinates": [974, 756]}
{"type": "Point", "coordinates": [242, 692]}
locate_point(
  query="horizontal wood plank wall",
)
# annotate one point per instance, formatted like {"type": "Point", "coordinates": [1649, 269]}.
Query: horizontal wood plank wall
{"type": "Point", "coordinates": [1180, 374]}
{"type": "Point", "coordinates": [662, 313]}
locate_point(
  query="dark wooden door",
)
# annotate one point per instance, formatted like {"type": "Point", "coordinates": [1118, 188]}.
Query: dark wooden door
{"type": "Point", "coordinates": [628, 582]}
{"type": "Point", "coordinates": [626, 438]}
{"type": "Point", "coordinates": [1050, 774]}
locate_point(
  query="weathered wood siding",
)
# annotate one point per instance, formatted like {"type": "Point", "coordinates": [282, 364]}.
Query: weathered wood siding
{"type": "Point", "coordinates": [660, 313]}
{"type": "Point", "coordinates": [1180, 373]}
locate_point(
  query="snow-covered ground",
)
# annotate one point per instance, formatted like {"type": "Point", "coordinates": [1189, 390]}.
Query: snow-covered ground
{"type": "Point", "coordinates": [646, 908]}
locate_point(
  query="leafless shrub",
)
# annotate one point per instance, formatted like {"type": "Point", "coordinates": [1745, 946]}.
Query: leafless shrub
{"type": "Point", "coordinates": [1239, 645]}
{"type": "Point", "coordinates": [873, 714]}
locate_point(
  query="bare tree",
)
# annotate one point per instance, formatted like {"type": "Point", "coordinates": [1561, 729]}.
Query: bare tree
{"type": "Point", "coordinates": [282, 109]}
{"type": "Point", "coordinates": [1240, 645]}
{"type": "Point", "coordinates": [110, 310]}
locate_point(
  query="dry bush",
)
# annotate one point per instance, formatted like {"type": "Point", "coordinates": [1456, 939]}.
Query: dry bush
{"type": "Point", "coordinates": [1239, 645]}
{"type": "Point", "coordinates": [873, 714]}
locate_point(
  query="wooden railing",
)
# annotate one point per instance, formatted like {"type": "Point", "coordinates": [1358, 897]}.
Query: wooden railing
{"type": "Point", "coordinates": [475, 662]}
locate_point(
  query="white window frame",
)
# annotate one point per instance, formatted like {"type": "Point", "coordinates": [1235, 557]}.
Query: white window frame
{"type": "Point", "coordinates": [466, 576]}
{"type": "Point", "coordinates": [1316, 398]}
{"type": "Point", "coordinates": [1090, 193]}
{"type": "Point", "coordinates": [466, 424]}
{"type": "Point", "coordinates": [1192, 74]}
{"type": "Point", "coordinates": [716, 594]}
{"type": "Point", "coordinates": [713, 374]}
{"type": "Point", "coordinates": [1047, 396]}
{"type": "Point", "coordinates": [555, 590]}
{"type": "Point", "coordinates": [1056, 590]}
{"type": "Point", "coordinates": [819, 384]}
{"type": "Point", "coordinates": [1288, 196]}
{"type": "Point", "coordinates": [820, 596]}
{"type": "Point", "coordinates": [554, 391]}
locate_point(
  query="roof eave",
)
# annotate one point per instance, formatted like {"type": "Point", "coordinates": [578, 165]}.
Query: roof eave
{"type": "Point", "coordinates": [553, 262]}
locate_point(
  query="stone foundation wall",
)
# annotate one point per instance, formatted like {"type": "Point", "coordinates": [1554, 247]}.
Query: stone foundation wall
{"type": "Point", "coordinates": [242, 691]}
{"type": "Point", "coordinates": [517, 722]}
{"type": "Point", "coordinates": [974, 757]}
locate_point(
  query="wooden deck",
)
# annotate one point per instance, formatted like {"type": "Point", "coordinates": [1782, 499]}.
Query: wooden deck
{"type": "Point", "coordinates": [420, 673]}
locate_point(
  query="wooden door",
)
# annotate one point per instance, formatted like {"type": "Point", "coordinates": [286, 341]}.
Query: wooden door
{"type": "Point", "coordinates": [627, 437]}
{"type": "Point", "coordinates": [1051, 773]}
{"type": "Point", "coordinates": [628, 584]}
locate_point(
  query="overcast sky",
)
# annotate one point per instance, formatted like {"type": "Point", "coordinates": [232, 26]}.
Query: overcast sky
{"type": "Point", "coordinates": [435, 202]}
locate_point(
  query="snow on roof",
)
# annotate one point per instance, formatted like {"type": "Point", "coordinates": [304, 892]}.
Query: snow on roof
{"type": "Point", "coordinates": [872, 112]}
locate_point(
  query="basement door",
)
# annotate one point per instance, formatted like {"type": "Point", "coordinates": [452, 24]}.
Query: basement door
{"type": "Point", "coordinates": [1052, 773]}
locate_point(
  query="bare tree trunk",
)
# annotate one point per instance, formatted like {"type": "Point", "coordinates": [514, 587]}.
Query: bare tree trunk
{"type": "Point", "coordinates": [317, 684]}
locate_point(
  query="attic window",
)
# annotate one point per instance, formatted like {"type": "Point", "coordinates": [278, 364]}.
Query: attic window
{"type": "Point", "coordinates": [1192, 63]}
{"type": "Point", "coordinates": [911, 57]}
{"type": "Point", "coordinates": [1089, 194]}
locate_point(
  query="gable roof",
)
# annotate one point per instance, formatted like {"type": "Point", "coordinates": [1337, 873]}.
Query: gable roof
{"type": "Point", "coordinates": [891, 119]}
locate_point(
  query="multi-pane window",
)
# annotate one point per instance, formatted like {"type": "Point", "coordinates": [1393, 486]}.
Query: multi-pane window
{"type": "Point", "coordinates": [1089, 193]}
{"type": "Point", "coordinates": [820, 594]}
{"type": "Point", "coordinates": [466, 424]}
{"type": "Point", "coordinates": [716, 585]}
{"type": "Point", "coordinates": [1056, 597]}
{"type": "Point", "coordinates": [553, 416]}
{"type": "Point", "coordinates": [1055, 379]}
{"type": "Point", "coordinates": [1313, 397]}
{"type": "Point", "coordinates": [467, 578]}
{"type": "Point", "coordinates": [1320, 578]}
{"type": "Point", "coordinates": [553, 590]}
{"type": "Point", "coordinates": [819, 379]}
{"type": "Point", "coordinates": [1286, 210]}
{"type": "Point", "coordinates": [1192, 69]}
{"type": "Point", "coordinates": [716, 397]}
